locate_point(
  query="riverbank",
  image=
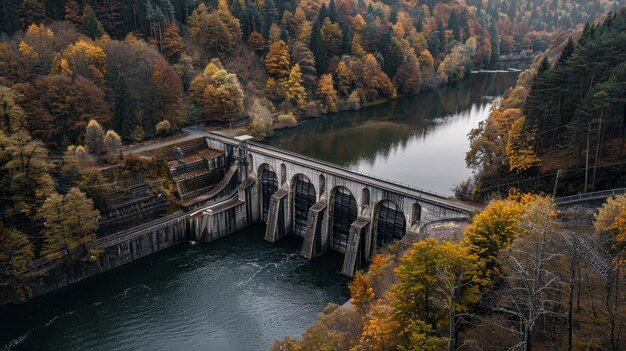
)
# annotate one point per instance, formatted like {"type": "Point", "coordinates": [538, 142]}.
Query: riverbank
{"type": "Point", "coordinates": [513, 65]}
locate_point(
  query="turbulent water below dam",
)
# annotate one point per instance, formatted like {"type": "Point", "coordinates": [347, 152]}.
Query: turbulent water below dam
{"type": "Point", "coordinates": [239, 293]}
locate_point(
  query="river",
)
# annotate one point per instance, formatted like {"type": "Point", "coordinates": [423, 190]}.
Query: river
{"type": "Point", "coordinates": [241, 293]}
{"type": "Point", "coordinates": [418, 140]}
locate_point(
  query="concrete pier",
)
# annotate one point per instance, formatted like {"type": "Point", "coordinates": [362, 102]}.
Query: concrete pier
{"type": "Point", "coordinates": [313, 244]}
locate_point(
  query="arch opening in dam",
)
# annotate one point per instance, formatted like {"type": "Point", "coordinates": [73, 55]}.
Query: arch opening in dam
{"type": "Point", "coordinates": [268, 184]}
{"type": "Point", "coordinates": [343, 212]}
{"type": "Point", "coordinates": [390, 223]}
{"type": "Point", "coordinates": [303, 197]}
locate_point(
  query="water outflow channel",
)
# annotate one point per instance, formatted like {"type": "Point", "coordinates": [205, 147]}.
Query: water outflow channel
{"type": "Point", "coordinates": [241, 293]}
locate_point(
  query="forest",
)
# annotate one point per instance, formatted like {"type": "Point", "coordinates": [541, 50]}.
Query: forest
{"type": "Point", "coordinates": [567, 114]}
{"type": "Point", "coordinates": [142, 64]}
{"type": "Point", "coordinates": [79, 79]}
{"type": "Point", "coordinates": [517, 278]}
{"type": "Point", "coordinates": [527, 24]}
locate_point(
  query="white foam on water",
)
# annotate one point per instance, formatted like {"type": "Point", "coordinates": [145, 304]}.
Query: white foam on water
{"type": "Point", "coordinates": [15, 342]}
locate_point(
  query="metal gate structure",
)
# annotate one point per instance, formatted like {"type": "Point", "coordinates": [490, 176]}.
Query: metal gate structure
{"type": "Point", "coordinates": [303, 198]}
{"type": "Point", "coordinates": [390, 223]}
{"type": "Point", "coordinates": [344, 213]}
{"type": "Point", "coordinates": [269, 185]}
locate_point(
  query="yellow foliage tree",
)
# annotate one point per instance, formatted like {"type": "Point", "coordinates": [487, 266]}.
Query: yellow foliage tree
{"type": "Point", "coordinates": [217, 31]}
{"type": "Point", "coordinates": [336, 328]}
{"type": "Point", "coordinates": [274, 33]}
{"type": "Point", "coordinates": [261, 123]}
{"type": "Point", "coordinates": [515, 98]}
{"type": "Point", "coordinates": [619, 226]}
{"type": "Point", "coordinates": [16, 254]}
{"type": "Point", "coordinates": [518, 148]}
{"type": "Point", "coordinates": [488, 142]}
{"type": "Point", "coordinates": [275, 88]}
{"type": "Point", "coordinates": [491, 231]}
{"type": "Point", "coordinates": [332, 35]}
{"type": "Point", "coordinates": [610, 223]}
{"type": "Point", "coordinates": [294, 91]}
{"type": "Point", "coordinates": [218, 92]}
{"type": "Point", "coordinates": [24, 165]}
{"type": "Point", "coordinates": [435, 286]}
{"type": "Point", "coordinates": [344, 78]}
{"type": "Point", "coordinates": [418, 41]}
{"type": "Point", "coordinates": [173, 43]}
{"type": "Point", "coordinates": [113, 144]}
{"type": "Point", "coordinates": [326, 91]}
{"type": "Point", "coordinates": [427, 59]}
{"type": "Point", "coordinates": [379, 327]}
{"type": "Point", "coordinates": [361, 291]}
{"type": "Point", "coordinates": [304, 33]}
{"type": "Point", "coordinates": [11, 113]}
{"type": "Point", "coordinates": [386, 86]}
{"type": "Point", "coordinates": [286, 120]}
{"type": "Point", "coordinates": [358, 23]}
{"type": "Point", "coordinates": [83, 55]}
{"type": "Point", "coordinates": [277, 60]}
{"type": "Point", "coordinates": [70, 224]}
{"type": "Point", "coordinates": [610, 210]}
{"type": "Point", "coordinates": [28, 59]}
{"type": "Point", "coordinates": [65, 68]}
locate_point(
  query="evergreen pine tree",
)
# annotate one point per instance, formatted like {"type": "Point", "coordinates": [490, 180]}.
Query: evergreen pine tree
{"type": "Point", "coordinates": [495, 43]}
{"type": "Point", "coordinates": [318, 48]}
{"type": "Point", "coordinates": [134, 16]}
{"type": "Point", "coordinates": [332, 12]}
{"type": "Point", "coordinates": [393, 54]}
{"type": "Point", "coordinates": [9, 19]}
{"type": "Point", "coordinates": [567, 51]}
{"type": "Point", "coordinates": [271, 13]}
{"type": "Point", "coordinates": [91, 26]}
{"type": "Point", "coordinates": [322, 14]}
{"type": "Point", "coordinates": [31, 11]}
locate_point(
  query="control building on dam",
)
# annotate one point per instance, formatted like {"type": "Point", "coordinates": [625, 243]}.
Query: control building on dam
{"type": "Point", "coordinates": [330, 207]}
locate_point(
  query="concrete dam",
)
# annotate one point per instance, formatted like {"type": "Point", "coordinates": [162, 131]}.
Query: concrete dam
{"type": "Point", "coordinates": [226, 184]}
{"type": "Point", "coordinates": [330, 207]}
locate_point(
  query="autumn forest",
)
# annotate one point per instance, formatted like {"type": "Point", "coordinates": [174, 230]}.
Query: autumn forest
{"type": "Point", "coordinates": [82, 81]}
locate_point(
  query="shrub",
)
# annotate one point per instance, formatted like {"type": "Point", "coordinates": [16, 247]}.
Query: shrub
{"type": "Point", "coordinates": [163, 128]}
{"type": "Point", "coordinates": [354, 100]}
{"type": "Point", "coordinates": [287, 120]}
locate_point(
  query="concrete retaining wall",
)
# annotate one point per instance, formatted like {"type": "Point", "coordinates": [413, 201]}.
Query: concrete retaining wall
{"type": "Point", "coordinates": [117, 251]}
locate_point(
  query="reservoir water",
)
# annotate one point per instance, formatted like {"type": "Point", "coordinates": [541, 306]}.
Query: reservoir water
{"type": "Point", "coordinates": [418, 140]}
{"type": "Point", "coordinates": [241, 293]}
